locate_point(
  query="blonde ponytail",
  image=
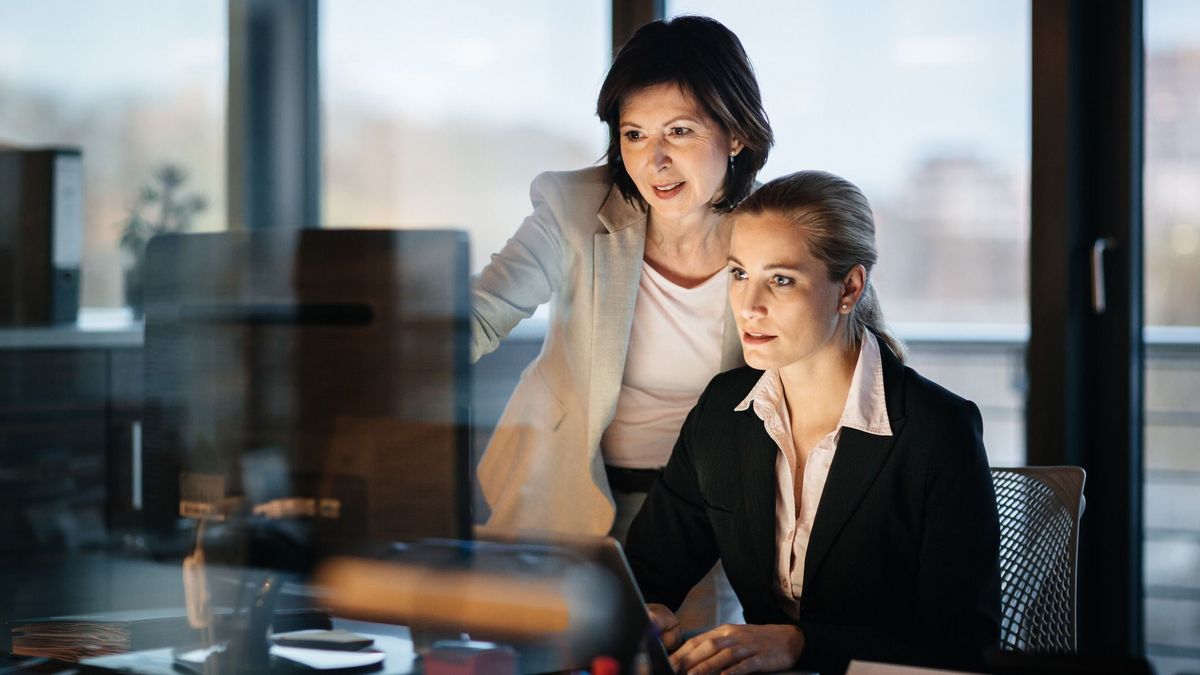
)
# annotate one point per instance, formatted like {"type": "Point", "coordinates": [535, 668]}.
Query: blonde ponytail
{"type": "Point", "coordinates": [867, 314]}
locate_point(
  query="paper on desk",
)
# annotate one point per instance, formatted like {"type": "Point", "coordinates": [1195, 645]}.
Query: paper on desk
{"type": "Point", "coordinates": [317, 659]}
{"type": "Point", "coordinates": [327, 659]}
{"type": "Point", "coordinates": [198, 656]}
{"type": "Point", "coordinates": [872, 668]}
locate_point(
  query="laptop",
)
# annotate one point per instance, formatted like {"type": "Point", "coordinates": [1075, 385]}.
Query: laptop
{"type": "Point", "coordinates": [635, 621]}
{"type": "Point", "coordinates": [633, 635]}
{"type": "Point", "coordinates": [611, 555]}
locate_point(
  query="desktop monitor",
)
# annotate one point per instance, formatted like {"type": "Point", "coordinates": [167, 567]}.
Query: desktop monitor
{"type": "Point", "coordinates": [312, 377]}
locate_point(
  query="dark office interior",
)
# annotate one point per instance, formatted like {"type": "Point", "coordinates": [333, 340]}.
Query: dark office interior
{"type": "Point", "coordinates": [1033, 167]}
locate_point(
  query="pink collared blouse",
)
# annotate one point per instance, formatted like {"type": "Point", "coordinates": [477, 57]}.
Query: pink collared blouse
{"type": "Point", "coordinates": [865, 410]}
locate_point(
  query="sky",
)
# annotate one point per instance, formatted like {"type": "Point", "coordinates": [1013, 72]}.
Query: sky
{"type": "Point", "coordinates": [866, 88]}
{"type": "Point", "coordinates": [85, 48]}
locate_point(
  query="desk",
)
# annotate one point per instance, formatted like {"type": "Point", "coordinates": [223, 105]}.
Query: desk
{"type": "Point", "coordinates": [394, 641]}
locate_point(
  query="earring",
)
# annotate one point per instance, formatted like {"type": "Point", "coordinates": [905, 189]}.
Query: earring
{"type": "Point", "coordinates": [844, 305]}
{"type": "Point", "coordinates": [731, 156]}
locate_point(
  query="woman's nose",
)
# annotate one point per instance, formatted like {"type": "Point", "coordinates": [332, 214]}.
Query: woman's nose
{"type": "Point", "coordinates": [750, 305]}
{"type": "Point", "coordinates": [660, 154]}
{"type": "Point", "coordinates": [752, 311]}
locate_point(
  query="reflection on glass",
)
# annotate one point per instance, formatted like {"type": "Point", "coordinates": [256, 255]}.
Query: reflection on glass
{"type": "Point", "coordinates": [305, 394]}
{"type": "Point", "coordinates": [1172, 315]}
{"type": "Point", "coordinates": [310, 373]}
{"type": "Point", "coordinates": [136, 85]}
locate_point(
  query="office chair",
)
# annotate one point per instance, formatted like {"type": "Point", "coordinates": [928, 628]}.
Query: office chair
{"type": "Point", "coordinates": [1039, 510]}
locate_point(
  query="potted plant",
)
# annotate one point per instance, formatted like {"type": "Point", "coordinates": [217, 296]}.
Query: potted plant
{"type": "Point", "coordinates": [161, 206]}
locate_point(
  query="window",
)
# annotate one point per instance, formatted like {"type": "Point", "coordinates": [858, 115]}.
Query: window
{"type": "Point", "coordinates": [138, 86]}
{"type": "Point", "coordinates": [1172, 315]}
{"type": "Point", "coordinates": [925, 106]}
{"type": "Point", "coordinates": [440, 114]}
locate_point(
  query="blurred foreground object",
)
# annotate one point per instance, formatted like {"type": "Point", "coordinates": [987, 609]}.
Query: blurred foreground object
{"type": "Point", "coordinates": [312, 377]}
{"type": "Point", "coordinates": [461, 657]}
{"type": "Point", "coordinates": [473, 601]}
{"type": "Point", "coordinates": [555, 606]}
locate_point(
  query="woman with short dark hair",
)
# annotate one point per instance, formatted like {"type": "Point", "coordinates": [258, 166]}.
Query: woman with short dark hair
{"type": "Point", "coordinates": [704, 59]}
{"type": "Point", "coordinates": [631, 256]}
{"type": "Point", "coordinates": [847, 497]}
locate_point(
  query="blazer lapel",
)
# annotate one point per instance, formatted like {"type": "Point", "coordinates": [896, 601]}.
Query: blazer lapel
{"type": "Point", "coordinates": [856, 464]}
{"type": "Point", "coordinates": [759, 483]}
{"type": "Point", "coordinates": [616, 267]}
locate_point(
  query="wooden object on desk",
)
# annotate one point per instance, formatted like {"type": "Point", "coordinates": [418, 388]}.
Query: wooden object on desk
{"type": "Point", "coordinates": [413, 595]}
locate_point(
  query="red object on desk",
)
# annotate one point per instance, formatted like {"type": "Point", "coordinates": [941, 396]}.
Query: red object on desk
{"type": "Point", "coordinates": [605, 665]}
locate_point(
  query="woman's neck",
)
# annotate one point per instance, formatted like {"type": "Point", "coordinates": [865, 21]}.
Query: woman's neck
{"type": "Point", "coordinates": [690, 233]}
{"type": "Point", "coordinates": [817, 386]}
{"type": "Point", "coordinates": [688, 250]}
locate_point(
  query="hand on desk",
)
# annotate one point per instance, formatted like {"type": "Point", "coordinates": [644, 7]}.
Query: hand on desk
{"type": "Point", "coordinates": [733, 649]}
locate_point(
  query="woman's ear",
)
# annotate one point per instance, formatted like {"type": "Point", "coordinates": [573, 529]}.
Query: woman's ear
{"type": "Point", "coordinates": [853, 285]}
{"type": "Point", "coordinates": [735, 147]}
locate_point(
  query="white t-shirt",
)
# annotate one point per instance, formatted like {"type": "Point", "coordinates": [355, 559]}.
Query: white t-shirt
{"type": "Point", "coordinates": [674, 350]}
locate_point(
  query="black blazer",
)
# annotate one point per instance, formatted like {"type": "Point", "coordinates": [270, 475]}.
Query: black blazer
{"type": "Point", "coordinates": [903, 560]}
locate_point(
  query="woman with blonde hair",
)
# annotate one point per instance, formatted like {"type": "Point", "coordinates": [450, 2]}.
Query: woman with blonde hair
{"type": "Point", "coordinates": [848, 498]}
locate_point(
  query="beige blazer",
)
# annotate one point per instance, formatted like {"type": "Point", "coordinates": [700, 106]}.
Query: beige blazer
{"type": "Point", "coordinates": [581, 250]}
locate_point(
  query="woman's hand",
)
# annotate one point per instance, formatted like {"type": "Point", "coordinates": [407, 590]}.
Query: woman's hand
{"type": "Point", "coordinates": [736, 649]}
{"type": "Point", "coordinates": [667, 625]}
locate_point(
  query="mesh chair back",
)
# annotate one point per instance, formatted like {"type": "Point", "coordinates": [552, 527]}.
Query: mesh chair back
{"type": "Point", "coordinates": [1039, 511]}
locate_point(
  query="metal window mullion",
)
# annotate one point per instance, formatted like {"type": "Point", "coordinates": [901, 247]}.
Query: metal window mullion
{"type": "Point", "coordinates": [273, 114]}
{"type": "Point", "coordinates": [1085, 366]}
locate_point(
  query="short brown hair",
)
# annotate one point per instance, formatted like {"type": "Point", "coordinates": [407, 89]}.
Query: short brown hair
{"type": "Point", "coordinates": [708, 62]}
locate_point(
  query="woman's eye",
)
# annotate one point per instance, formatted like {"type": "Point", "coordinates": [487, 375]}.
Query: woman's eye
{"type": "Point", "coordinates": [737, 273]}
{"type": "Point", "coordinates": [633, 135]}
{"type": "Point", "coordinates": [680, 131]}
{"type": "Point", "coordinates": [780, 280]}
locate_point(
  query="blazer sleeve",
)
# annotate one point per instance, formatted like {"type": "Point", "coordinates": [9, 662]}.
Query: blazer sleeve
{"type": "Point", "coordinates": [524, 274]}
{"type": "Point", "coordinates": [956, 621]}
{"type": "Point", "coordinates": [670, 544]}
